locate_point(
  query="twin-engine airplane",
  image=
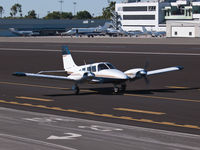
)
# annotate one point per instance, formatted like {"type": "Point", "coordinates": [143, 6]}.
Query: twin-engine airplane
{"type": "Point", "coordinates": [102, 72]}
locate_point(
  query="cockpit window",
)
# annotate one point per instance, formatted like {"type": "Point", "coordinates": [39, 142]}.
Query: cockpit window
{"type": "Point", "coordinates": [102, 67]}
{"type": "Point", "coordinates": [110, 66]}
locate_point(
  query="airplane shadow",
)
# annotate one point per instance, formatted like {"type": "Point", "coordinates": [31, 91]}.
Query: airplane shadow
{"type": "Point", "coordinates": [109, 91]}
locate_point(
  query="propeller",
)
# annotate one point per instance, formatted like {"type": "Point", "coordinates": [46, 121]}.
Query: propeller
{"type": "Point", "coordinates": [143, 73]}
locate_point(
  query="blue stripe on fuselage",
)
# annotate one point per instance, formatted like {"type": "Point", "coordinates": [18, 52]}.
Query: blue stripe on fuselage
{"type": "Point", "coordinates": [107, 80]}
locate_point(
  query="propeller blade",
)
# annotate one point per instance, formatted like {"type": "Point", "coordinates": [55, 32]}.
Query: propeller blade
{"type": "Point", "coordinates": [146, 66]}
{"type": "Point", "coordinates": [146, 80]}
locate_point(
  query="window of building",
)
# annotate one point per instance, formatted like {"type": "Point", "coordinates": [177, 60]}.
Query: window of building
{"type": "Point", "coordinates": [152, 8]}
{"type": "Point", "coordinates": [119, 9]}
{"type": "Point", "coordinates": [190, 33]}
{"type": "Point", "coordinates": [138, 8]}
{"type": "Point", "coordinates": [139, 17]}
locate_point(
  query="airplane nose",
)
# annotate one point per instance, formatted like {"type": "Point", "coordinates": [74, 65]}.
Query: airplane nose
{"type": "Point", "coordinates": [121, 75]}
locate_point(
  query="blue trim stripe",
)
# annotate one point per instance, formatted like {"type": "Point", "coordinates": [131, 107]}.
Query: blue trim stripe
{"type": "Point", "coordinates": [65, 50]}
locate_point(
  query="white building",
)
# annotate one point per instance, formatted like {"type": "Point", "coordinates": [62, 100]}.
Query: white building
{"type": "Point", "coordinates": [183, 19]}
{"type": "Point", "coordinates": [133, 15]}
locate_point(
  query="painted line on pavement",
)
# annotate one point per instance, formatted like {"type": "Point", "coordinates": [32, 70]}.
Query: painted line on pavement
{"type": "Point", "coordinates": [102, 115]}
{"type": "Point", "coordinates": [164, 98]}
{"type": "Point", "coordinates": [43, 86]}
{"type": "Point", "coordinates": [133, 95]}
{"type": "Point", "coordinates": [139, 111]}
{"type": "Point", "coordinates": [177, 87]}
{"type": "Point", "coordinates": [104, 52]}
{"type": "Point", "coordinates": [33, 98]}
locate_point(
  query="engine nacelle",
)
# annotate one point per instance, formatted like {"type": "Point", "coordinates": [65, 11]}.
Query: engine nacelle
{"type": "Point", "coordinates": [132, 73]}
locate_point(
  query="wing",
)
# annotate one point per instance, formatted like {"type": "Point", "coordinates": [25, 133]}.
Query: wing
{"type": "Point", "coordinates": [158, 71]}
{"type": "Point", "coordinates": [77, 77]}
{"type": "Point", "coordinates": [42, 76]}
{"type": "Point", "coordinates": [140, 72]}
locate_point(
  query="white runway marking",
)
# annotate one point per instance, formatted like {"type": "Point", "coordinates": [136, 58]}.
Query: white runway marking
{"type": "Point", "coordinates": [104, 52]}
{"type": "Point", "coordinates": [37, 142]}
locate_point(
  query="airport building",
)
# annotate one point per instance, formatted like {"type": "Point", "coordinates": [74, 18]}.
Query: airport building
{"type": "Point", "coordinates": [134, 14]}
{"type": "Point", "coordinates": [45, 27]}
{"type": "Point", "coordinates": [183, 19]}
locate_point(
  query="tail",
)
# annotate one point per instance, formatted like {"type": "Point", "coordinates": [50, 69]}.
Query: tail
{"type": "Point", "coordinates": [144, 29]}
{"type": "Point", "coordinates": [68, 61]}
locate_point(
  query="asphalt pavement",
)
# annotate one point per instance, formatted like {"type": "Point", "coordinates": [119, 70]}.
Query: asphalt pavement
{"type": "Point", "coordinates": [170, 102]}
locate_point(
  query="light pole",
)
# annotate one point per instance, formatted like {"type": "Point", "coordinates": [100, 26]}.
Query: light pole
{"type": "Point", "coordinates": [74, 8]}
{"type": "Point", "coordinates": [61, 2]}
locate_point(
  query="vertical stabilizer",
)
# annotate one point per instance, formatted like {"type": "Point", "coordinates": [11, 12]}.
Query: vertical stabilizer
{"type": "Point", "coordinates": [144, 29]}
{"type": "Point", "coordinates": [68, 61]}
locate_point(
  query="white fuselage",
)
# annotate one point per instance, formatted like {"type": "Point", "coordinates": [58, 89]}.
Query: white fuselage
{"type": "Point", "coordinates": [102, 72]}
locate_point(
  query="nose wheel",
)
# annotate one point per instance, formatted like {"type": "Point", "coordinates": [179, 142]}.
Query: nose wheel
{"type": "Point", "coordinates": [76, 89]}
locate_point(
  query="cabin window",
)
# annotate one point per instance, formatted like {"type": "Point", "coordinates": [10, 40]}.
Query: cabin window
{"type": "Point", "coordinates": [83, 69]}
{"type": "Point", "coordinates": [93, 68]}
{"type": "Point", "coordinates": [88, 68]}
{"type": "Point", "coordinates": [102, 67]}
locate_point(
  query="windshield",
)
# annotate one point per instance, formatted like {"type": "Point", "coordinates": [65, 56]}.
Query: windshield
{"type": "Point", "coordinates": [102, 67]}
{"type": "Point", "coordinates": [110, 66]}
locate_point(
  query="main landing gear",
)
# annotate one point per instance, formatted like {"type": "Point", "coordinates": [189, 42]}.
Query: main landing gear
{"type": "Point", "coordinates": [76, 89]}
{"type": "Point", "coordinates": [116, 89]}
{"type": "Point", "coordinates": [121, 89]}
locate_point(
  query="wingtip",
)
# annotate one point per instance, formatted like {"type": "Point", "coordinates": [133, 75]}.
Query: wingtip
{"type": "Point", "coordinates": [180, 67]}
{"type": "Point", "coordinates": [19, 74]}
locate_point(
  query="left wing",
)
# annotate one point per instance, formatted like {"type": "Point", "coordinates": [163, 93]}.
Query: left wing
{"type": "Point", "coordinates": [76, 77]}
{"type": "Point", "coordinates": [42, 76]}
{"type": "Point", "coordinates": [158, 71]}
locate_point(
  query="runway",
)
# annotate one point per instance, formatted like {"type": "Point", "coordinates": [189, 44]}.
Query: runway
{"type": "Point", "coordinates": [170, 102]}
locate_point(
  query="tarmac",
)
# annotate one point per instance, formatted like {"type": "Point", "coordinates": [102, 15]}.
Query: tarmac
{"type": "Point", "coordinates": [169, 104]}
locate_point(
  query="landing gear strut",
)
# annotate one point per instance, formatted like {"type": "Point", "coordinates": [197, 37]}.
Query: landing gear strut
{"type": "Point", "coordinates": [117, 89]}
{"type": "Point", "coordinates": [123, 87]}
{"type": "Point", "coordinates": [75, 88]}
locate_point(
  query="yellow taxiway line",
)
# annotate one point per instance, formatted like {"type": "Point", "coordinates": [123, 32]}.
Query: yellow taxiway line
{"type": "Point", "coordinates": [140, 111]}
{"type": "Point", "coordinates": [134, 95]}
{"type": "Point", "coordinates": [177, 87]}
{"type": "Point", "coordinates": [165, 98]}
{"type": "Point", "coordinates": [33, 98]}
{"type": "Point", "coordinates": [102, 115]}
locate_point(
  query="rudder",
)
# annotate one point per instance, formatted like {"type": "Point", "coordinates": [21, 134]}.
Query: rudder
{"type": "Point", "coordinates": [68, 61]}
